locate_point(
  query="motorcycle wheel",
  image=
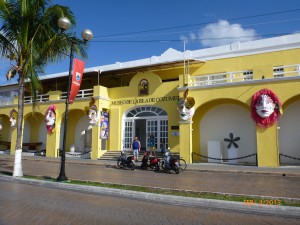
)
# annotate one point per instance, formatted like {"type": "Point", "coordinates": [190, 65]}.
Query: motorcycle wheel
{"type": "Point", "coordinates": [156, 167]}
{"type": "Point", "coordinates": [163, 165]}
{"type": "Point", "coordinates": [176, 169]}
{"type": "Point", "coordinates": [120, 164]}
{"type": "Point", "coordinates": [131, 166]}
{"type": "Point", "coordinates": [143, 166]}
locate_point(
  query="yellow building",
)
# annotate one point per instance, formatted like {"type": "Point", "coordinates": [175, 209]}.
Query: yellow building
{"type": "Point", "coordinates": [141, 97]}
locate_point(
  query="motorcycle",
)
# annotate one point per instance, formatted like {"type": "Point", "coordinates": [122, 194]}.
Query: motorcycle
{"type": "Point", "coordinates": [170, 163]}
{"type": "Point", "coordinates": [148, 161]}
{"type": "Point", "coordinates": [125, 161]}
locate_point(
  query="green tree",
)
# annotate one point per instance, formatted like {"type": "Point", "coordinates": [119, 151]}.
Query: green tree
{"type": "Point", "coordinates": [29, 38]}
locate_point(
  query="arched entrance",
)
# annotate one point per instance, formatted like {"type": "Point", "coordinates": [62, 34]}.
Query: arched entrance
{"type": "Point", "coordinates": [227, 118]}
{"type": "Point", "coordinates": [141, 122]}
{"type": "Point", "coordinates": [288, 134]}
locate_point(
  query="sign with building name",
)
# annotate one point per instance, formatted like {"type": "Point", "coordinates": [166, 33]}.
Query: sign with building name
{"type": "Point", "coordinates": [145, 100]}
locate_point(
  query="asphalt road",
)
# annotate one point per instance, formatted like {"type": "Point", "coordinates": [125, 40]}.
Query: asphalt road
{"type": "Point", "coordinates": [34, 205]}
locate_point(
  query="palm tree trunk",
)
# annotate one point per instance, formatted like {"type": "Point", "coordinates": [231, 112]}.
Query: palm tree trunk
{"type": "Point", "coordinates": [18, 172]}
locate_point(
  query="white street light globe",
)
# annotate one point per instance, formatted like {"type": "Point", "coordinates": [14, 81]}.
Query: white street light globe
{"type": "Point", "coordinates": [87, 34]}
{"type": "Point", "coordinates": [64, 23]}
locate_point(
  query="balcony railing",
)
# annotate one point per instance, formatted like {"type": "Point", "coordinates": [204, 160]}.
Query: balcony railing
{"type": "Point", "coordinates": [241, 76]}
{"type": "Point", "coordinates": [286, 71]}
{"type": "Point", "coordinates": [81, 94]}
{"type": "Point", "coordinates": [220, 78]}
{"type": "Point", "coordinates": [6, 101]}
{"type": "Point", "coordinates": [39, 98]}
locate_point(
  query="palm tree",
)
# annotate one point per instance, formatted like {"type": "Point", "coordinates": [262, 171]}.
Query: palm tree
{"type": "Point", "coordinates": [29, 38]}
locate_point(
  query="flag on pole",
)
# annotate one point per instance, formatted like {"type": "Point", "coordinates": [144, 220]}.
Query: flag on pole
{"type": "Point", "coordinates": [76, 79]}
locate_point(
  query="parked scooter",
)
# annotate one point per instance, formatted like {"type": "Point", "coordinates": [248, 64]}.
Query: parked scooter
{"type": "Point", "coordinates": [170, 163]}
{"type": "Point", "coordinates": [125, 161]}
{"type": "Point", "coordinates": [148, 161]}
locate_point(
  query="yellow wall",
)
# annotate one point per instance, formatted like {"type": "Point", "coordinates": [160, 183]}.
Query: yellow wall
{"type": "Point", "coordinates": [241, 94]}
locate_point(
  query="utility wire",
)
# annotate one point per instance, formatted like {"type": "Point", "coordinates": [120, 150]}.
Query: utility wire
{"type": "Point", "coordinates": [200, 39]}
{"type": "Point", "coordinates": [180, 32]}
{"type": "Point", "coordinates": [200, 24]}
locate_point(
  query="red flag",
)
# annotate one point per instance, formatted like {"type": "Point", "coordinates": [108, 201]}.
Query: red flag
{"type": "Point", "coordinates": [76, 79]}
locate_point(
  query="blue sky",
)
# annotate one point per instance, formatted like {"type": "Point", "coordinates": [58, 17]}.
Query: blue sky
{"type": "Point", "coordinates": [134, 29]}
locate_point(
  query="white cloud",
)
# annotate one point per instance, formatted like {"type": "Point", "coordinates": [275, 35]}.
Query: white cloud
{"type": "Point", "coordinates": [223, 32]}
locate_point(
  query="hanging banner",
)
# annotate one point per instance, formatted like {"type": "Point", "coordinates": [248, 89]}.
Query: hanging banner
{"type": "Point", "coordinates": [104, 125]}
{"type": "Point", "coordinates": [76, 79]}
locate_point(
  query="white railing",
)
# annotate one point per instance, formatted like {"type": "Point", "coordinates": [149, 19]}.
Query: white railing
{"type": "Point", "coordinates": [220, 78]}
{"type": "Point", "coordinates": [39, 98]}
{"type": "Point", "coordinates": [45, 97]}
{"type": "Point", "coordinates": [286, 71]}
{"type": "Point", "coordinates": [6, 101]}
{"type": "Point", "coordinates": [81, 94]}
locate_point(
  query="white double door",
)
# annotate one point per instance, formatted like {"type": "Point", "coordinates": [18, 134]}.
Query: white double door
{"type": "Point", "coordinates": [142, 128]}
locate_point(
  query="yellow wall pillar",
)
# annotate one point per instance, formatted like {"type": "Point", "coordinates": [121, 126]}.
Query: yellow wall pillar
{"type": "Point", "coordinates": [101, 95]}
{"type": "Point", "coordinates": [52, 144]}
{"type": "Point", "coordinates": [114, 129]}
{"type": "Point", "coordinates": [96, 143]}
{"type": "Point", "coordinates": [267, 146]}
{"type": "Point", "coordinates": [185, 140]}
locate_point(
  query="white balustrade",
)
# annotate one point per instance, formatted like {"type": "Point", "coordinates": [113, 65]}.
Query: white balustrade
{"type": "Point", "coordinates": [81, 94]}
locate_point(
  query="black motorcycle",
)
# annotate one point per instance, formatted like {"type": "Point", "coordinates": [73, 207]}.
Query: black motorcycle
{"type": "Point", "coordinates": [170, 163]}
{"type": "Point", "coordinates": [125, 161]}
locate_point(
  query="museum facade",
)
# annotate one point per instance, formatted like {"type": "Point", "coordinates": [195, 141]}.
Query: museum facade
{"type": "Point", "coordinates": [201, 104]}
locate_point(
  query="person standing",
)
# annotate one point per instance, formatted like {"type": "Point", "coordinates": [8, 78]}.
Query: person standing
{"type": "Point", "coordinates": [152, 143]}
{"type": "Point", "coordinates": [162, 147]}
{"type": "Point", "coordinates": [136, 148]}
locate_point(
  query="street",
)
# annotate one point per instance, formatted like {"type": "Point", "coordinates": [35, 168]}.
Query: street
{"type": "Point", "coordinates": [34, 205]}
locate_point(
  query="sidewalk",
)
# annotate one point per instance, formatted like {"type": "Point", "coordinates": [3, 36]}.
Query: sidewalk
{"type": "Point", "coordinates": [285, 170]}
{"type": "Point", "coordinates": [288, 170]}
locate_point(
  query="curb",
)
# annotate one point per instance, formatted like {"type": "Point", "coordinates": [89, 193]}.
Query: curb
{"type": "Point", "coordinates": [288, 211]}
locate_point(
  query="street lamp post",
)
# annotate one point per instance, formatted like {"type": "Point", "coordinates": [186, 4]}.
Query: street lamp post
{"type": "Point", "coordinates": [64, 24]}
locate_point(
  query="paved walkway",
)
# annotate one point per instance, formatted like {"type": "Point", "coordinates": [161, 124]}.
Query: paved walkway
{"type": "Point", "coordinates": [287, 170]}
{"type": "Point", "coordinates": [282, 182]}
